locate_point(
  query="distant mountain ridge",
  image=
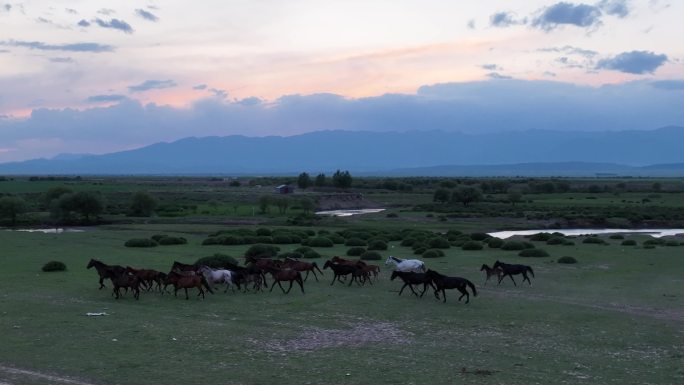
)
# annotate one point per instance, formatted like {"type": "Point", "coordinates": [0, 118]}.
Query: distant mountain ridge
{"type": "Point", "coordinates": [654, 152]}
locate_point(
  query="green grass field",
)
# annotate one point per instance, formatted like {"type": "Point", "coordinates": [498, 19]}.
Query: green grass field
{"type": "Point", "coordinates": [615, 317]}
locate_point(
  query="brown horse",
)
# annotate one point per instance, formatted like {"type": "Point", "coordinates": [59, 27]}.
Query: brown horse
{"type": "Point", "coordinates": [105, 271]}
{"type": "Point", "coordinates": [491, 271]}
{"type": "Point", "coordinates": [302, 267]}
{"type": "Point", "coordinates": [286, 275]}
{"type": "Point", "coordinates": [126, 281]}
{"type": "Point", "coordinates": [185, 281]}
{"type": "Point", "coordinates": [147, 277]}
{"type": "Point", "coordinates": [347, 262]}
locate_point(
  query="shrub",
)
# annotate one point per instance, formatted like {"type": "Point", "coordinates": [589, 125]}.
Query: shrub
{"type": "Point", "coordinates": [567, 260]}
{"type": "Point", "coordinates": [528, 245]}
{"type": "Point", "coordinates": [217, 260]}
{"type": "Point", "coordinates": [495, 243]}
{"type": "Point", "coordinates": [355, 251]}
{"type": "Point", "coordinates": [392, 215]}
{"type": "Point", "coordinates": [231, 240]}
{"type": "Point", "coordinates": [358, 242]}
{"type": "Point", "coordinates": [594, 240]}
{"type": "Point", "coordinates": [555, 241]}
{"type": "Point", "coordinates": [54, 266]}
{"type": "Point", "coordinates": [533, 253]}
{"type": "Point", "coordinates": [291, 255]}
{"type": "Point", "coordinates": [420, 250]}
{"type": "Point", "coordinates": [303, 250]}
{"type": "Point", "coordinates": [158, 237]}
{"type": "Point", "coordinates": [408, 242]}
{"type": "Point", "coordinates": [617, 236]}
{"type": "Point", "coordinates": [140, 242]}
{"type": "Point", "coordinates": [671, 243]}
{"type": "Point", "coordinates": [629, 242]}
{"type": "Point", "coordinates": [433, 253]}
{"type": "Point", "coordinates": [260, 239]}
{"type": "Point", "coordinates": [311, 254]}
{"type": "Point", "coordinates": [336, 239]}
{"type": "Point", "coordinates": [479, 236]}
{"type": "Point", "coordinates": [540, 237]}
{"type": "Point", "coordinates": [371, 256]}
{"type": "Point", "coordinates": [166, 241]}
{"type": "Point", "coordinates": [653, 242]}
{"type": "Point", "coordinates": [284, 239]}
{"type": "Point", "coordinates": [472, 245]}
{"type": "Point", "coordinates": [568, 243]}
{"type": "Point", "coordinates": [210, 241]}
{"type": "Point", "coordinates": [320, 242]}
{"type": "Point", "coordinates": [262, 251]}
{"type": "Point", "coordinates": [513, 245]}
{"type": "Point", "coordinates": [263, 232]}
{"type": "Point", "coordinates": [377, 245]}
{"type": "Point", "coordinates": [438, 243]}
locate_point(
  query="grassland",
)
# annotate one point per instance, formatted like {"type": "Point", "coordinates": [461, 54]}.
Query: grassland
{"type": "Point", "coordinates": [615, 317]}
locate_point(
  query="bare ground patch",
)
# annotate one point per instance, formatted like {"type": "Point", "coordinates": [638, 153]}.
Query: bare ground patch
{"type": "Point", "coordinates": [9, 374]}
{"type": "Point", "coordinates": [356, 335]}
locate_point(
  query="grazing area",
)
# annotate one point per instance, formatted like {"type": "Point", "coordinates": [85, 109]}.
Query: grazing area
{"type": "Point", "coordinates": [611, 311]}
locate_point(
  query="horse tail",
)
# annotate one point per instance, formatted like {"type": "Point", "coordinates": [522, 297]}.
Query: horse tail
{"type": "Point", "coordinates": [472, 287]}
{"type": "Point", "coordinates": [530, 270]}
{"type": "Point", "coordinates": [206, 284]}
{"type": "Point", "coordinates": [316, 266]}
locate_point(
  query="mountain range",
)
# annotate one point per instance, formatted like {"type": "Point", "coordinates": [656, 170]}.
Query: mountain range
{"type": "Point", "coordinates": [522, 153]}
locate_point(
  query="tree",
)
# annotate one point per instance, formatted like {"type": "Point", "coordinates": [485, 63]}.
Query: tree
{"type": "Point", "coordinates": [320, 180]}
{"type": "Point", "coordinates": [657, 186]}
{"type": "Point", "coordinates": [55, 193]}
{"type": "Point", "coordinates": [282, 203]}
{"type": "Point", "coordinates": [342, 179]}
{"type": "Point", "coordinates": [85, 203]}
{"type": "Point", "coordinates": [466, 195]}
{"type": "Point", "coordinates": [514, 196]}
{"type": "Point", "coordinates": [304, 181]}
{"type": "Point", "coordinates": [264, 203]}
{"type": "Point", "coordinates": [307, 204]}
{"type": "Point", "coordinates": [142, 205]}
{"type": "Point", "coordinates": [12, 207]}
{"type": "Point", "coordinates": [441, 195]}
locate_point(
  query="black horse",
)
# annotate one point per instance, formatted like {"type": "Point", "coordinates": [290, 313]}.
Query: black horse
{"type": "Point", "coordinates": [126, 280]}
{"type": "Point", "coordinates": [340, 270]}
{"type": "Point", "coordinates": [443, 282]}
{"type": "Point", "coordinates": [106, 271]}
{"type": "Point", "coordinates": [511, 270]}
{"type": "Point", "coordinates": [411, 278]}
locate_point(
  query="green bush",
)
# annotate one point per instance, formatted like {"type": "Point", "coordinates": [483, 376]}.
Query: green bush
{"type": "Point", "coordinates": [166, 241]}
{"type": "Point", "coordinates": [355, 251]}
{"type": "Point", "coordinates": [567, 260]}
{"type": "Point", "coordinates": [556, 241]}
{"type": "Point", "coordinates": [371, 256]}
{"type": "Point", "coordinates": [433, 253]}
{"type": "Point", "coordinates": [472, 245]}
{"type": "Point", "coordinates": [594, 240]}
{"type": "Point", "coordinates": [617, 236]}
{"type": "Point", "coordinates": [653, 242]}
{"type": "Point", "coordinates": [263, 232]}
{"type": "Point", "coordinates": [311, 254]}
{"type": "Point", "coordinates": [495, 243]}
{"type": "Point", "coordinates": [320, 242]}
{"type": "Point", "coordinates": [291, 255]}
{"type": "Point", "coordinates": [356, 242]}
{"type": "Point", "coordinates": [528, 245]}
{"type": "Point", "coordinates": [262, 251]}
{"type": "Point", "coordinates": [216, 261]}
{"type": "Point", "coordinates": [533, 253]}
{"type": "Point", "coordinates": [158, 237]}
{"type": "Point", "coordinates": [671, 242]}
{"type": "Point", "coordinates": [513, 245]}
{"type": "Point", "coordinates": [540, 237]}
{"type": "Point", "coordinates": [568, 243]}
{"type": "Point", "coordinates": [283, 239]}
{"type": "Point", "coordinates": [407, 242]}
{"type": "Point", "coordinates": [377, 245]}
{"type": "Point", "coordinates": [140, 242]}
{"type": "Point", "coordinates": [419, 250]}
{"type": "Point", "coordinates": [629, 242]}
{"type": "Point", "coordinates": [54, 266]}
{"type": "Point", "coordinates": [479, 236]}
{"type": "Point", "coordinates": [336, 239]}
{"type": "Point", "coordinates": [438, 243]}
{"type": "Point", "coordinates": [303, 250]}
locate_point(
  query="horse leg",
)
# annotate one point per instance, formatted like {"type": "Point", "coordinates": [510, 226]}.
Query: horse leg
{"type": "Point", "coordinates": [201, 291]}
{"type": "Point", "coordinates": [186, 293]}
{"type": "Point", "coordinates": [443, 295]}
{"type": "Point", "coordinates": [501, 279]}
{"type": "Point", "coordinates": [402, 288]}
{"type": "Point", "coordinates": [301, 284]}
{"type": "Point", "coordinates": [412, 291]}
{"type": "Point", "coordinates": [526, 278]}
{"type": "Point", "coordinates": [511, 277]}
{"type": "Point", "coordinates": [314, 273]}
{"type": "Point", "coordinates": [101, 283]}
{"type": "Point", "coordinates": [307, 275]}
{"type": "Point", "coordinates": [424, 290]}
{"type": "Point", "coordinates": [333, 281]}
{"type": "Point", "coordinates": [273, 285]}
{"type": "Point", "coordinates": [289, 288]}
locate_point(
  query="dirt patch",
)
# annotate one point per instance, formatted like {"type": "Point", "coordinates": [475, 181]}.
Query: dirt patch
{"type": "Point", "coordinates": [33, 375]}
{"type": "Point", "coordinates": [357, 335]}
{"type": "Point", "coordinates": [344, 201]}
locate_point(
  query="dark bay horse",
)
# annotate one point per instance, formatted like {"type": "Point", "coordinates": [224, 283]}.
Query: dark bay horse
{"type": "Point", "coordinates": [302, 266]}
{"type": "Point", "coordinates": [289, 275]}
{"type": "Point", "coordinates": [340, 270]}
{"type": "Point", "coordinates": [511, 270]}
{"type": "Point", "coordinates": [411, 278]}
{"type": "Point", "coordinates": [185, 281]}
{"type": "Point", "coordinates": [126, 280]}
{"type": "Point", "coordinates": [105, 271]}
{"type": "Point", "coordinates": [491, 271]}
{"type": "Point", "coordinates": [443, 282]}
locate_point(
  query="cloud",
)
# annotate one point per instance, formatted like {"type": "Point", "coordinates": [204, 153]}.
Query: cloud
{"type": "Point", "coordinates": [61, 60]}
{"type": "Point", "coordinates": [115, 24]}
{"type": "Point", "coordinates": [221, 94]}
{"type": "Point", "coordinates": [570, 50]}
{"type": "Point", "coordinates": [146, 15]}
{"type": "Point", "coordinates": [71, 11]}
{"type": "Point", "coordinates": [106, 11]}
{"type": "Point", "coordinates": [491, 67]}
{"type": "Point", "coordinates": [634, 62]}
{"type": "Point", "coordinates": [105, 98]}
{"type": "Point", "coordinates": [200, 87]}
{"type": "Point", "coordinates": [498, 76]}
{"type": "Point", "coordinates": [152, 85]}
{"type": "Point", "coordinates": [670, 85]}
{"type": "Point", "coordinates": [73, 47]}
{"type": "Point", "coordinates": [471, 24]}
{"type": "Point", "coordinates": [617, 8]}
{"type": "Point", "coordinates": [84, 23]}
{"type": "Point", "coordinates": [505, 19]}
{"type": "Point", "coordinates": [6, 7]}
{"type": "Point", "coordinates": [490, 106]}
{"type": "Point", "coordinates": [580, 15]}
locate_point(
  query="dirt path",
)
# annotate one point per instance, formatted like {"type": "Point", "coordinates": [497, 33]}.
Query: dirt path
{"type": "Point", "coordinates": [9, 374]}
{"type": "Point", "coordinates": [657, 313]}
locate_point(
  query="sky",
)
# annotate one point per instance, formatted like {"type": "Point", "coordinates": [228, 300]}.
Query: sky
{"type": "Point", "coordinates": [102, 76]}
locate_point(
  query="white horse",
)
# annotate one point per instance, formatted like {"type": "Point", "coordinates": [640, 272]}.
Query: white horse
{"type": "Point", "coordinates": [413, 265]}
{"type": "Point", "coordinates": [218, 276]}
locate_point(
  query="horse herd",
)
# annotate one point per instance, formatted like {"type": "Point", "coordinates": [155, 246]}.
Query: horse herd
{"type": "Point", "coordinates": [252, 276]}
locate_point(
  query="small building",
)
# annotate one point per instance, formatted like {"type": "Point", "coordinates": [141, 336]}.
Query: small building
{"type": "Point", "coordinates": [284, 189]}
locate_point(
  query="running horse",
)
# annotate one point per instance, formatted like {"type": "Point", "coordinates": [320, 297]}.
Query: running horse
{"type": "Point", "coordinates": [106, 271]}
{"type": "Point", "coordinates": [412, 265]}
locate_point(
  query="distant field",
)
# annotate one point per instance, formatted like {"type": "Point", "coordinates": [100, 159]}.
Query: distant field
{"type": "Point", "coordinates": [615, 317]}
